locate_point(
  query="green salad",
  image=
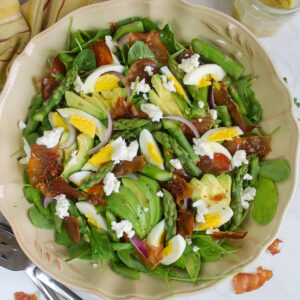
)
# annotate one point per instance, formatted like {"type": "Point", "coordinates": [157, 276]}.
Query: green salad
{"type": "Point", "coordinates": [147, 152]}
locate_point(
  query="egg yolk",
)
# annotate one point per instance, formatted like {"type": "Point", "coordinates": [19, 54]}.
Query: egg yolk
{"type": "Point", "coordinates": [212, 220]}
{"type": "Point", "coordinates": [222, 135]}
{"type": "Point", "coordinates": [58, 121]}
{"type": "Point", "coordinates": [106, 82]}
{"type": "Point", "coordinates": [154, 154]}
{"type": "Point", "coordinates": [92, 221]}
{"type": "Point", "coordinates": [178, 87]}
{"type": "Point", "coordinates": [168, 249]}
{"type": "Point", "coordinates": [84, 125]}
{"type": "Point", "coordinates": [102, 156]}
{"type": "Point", "coordinates": [206, 81]}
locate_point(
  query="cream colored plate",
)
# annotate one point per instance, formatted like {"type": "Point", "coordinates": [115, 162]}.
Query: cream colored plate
{"type": "Point", "coordinates": [188, 21]}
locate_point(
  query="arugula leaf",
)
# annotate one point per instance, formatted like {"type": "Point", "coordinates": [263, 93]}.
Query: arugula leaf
{"type": "Point", "coordinates": [39, 220]}
{"type": "Point", "coordinates": [125, 271]}
{"type": "Point", "coordinates": [66, 59]}
{"type": "Point", "coordinates": [276, 169]}
{"type": "Point", "coordinates": [127, 21]}
{"type": "Point", "coordinates": [265, 201]}
{"type": "Point", "coordinates": [192, 264]}
{"type": "Point", "coordinates": [62, 238]}
{"type": "Point", "coordinates": [121, 246]}
{"type": "Point", "coordinates": [85, 60]}
{"type": "Point", "coordinates": [131, 261]}
{"type": "Point", "coordinates": [78, 250]}
{"type": "Point", "coordinates": [139, 50]}
{"type": "Point", "coordinates": [79, 38]}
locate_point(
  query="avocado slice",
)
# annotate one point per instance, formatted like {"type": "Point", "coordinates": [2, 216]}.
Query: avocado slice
{"type": "Point", "coordinates": [75, 101]}
{"type": "Point", "coordinates": [85, 143]}
{"type": "Point", "coordinates": [154, 188]}
{"type": "Point", "coordinates": [163, 98]}
{"type": "Point", "coordinates": [226, 181]}
{"type": "Point", "coordinates": [117, 205]}
{"type": "Point", "coordinates": [113, 95]}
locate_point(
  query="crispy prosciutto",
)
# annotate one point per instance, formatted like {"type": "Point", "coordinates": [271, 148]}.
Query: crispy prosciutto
{"type": "Point", "coordinates": [138, 69]}
{"type": "Point", "coordinates": [246, 282]}
{"type": "Point", "coordinates": [184, 55]}
{"type": "Point", "coordinates": [96, 193]}
{"type": "Point", "coordinates": [251, 144]}
{"type": "Point", "coordinates": [72, 227]}
{"type": "Point", "coordinates": [220, 235]}
{"type": "Point", "coordinates": [152, 40]}
{"type": "Point", "coordinates": [102, 53]}
{"type": "Point", "coordinates": [24, 296]}
{"type": "Point", "coordinates": [202, 126]}
{"type": "Point", "coordinates": [273, 248]}
{"type": "Point", "coordinates": [185, 222]}
{"type": "Point", "coordinates": [179, 188]}
{"type": "Point", "coordinates": [125, 167]}
{"type": "Point", "coordinates": [154, 255]}
{"type": "Point", "coordinates": [222, 97]}
{"type": "Point", "coordinates": [124, 109]}
{"type": "Point", "coordinates": [219, 164]}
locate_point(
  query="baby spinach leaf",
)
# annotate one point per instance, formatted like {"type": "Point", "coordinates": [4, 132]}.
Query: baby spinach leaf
{"type": "Point", "coordinates": [85, 60]}
{"type": "Point", "coordinates": [66, 59]}
{"type": "Point", "coordinates": [35, 196]}
{"type": "Point", "coordinates": [78, 250]}
{"type": "Point", "coordinates": [265, 201]}
{"type": "Point", "coordinates": [139, 50]}
{"type": "Point", "coordinates": [131, 261]}
{"type": "Point", "coordinates": [149, 25]}
{"type": "Point", "coordinates": [192, 264]}
{"type": "Point", "coordinates": [125, 271]}
{"type": "Point", "coordinates": [39, 220]}
{"type": "Point", "coordinates": [209, 250]}
{"type": "Point", "coordinates": [276, 169]}
{"type": "Point", "coordinates": [100, 244]}
{"type": "Point", "coordinates": [62, 238]}
{"type": "Point", "coordinates": [121, 246]}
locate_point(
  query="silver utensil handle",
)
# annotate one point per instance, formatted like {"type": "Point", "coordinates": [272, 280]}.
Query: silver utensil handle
{"type": "Point", "coordinates": [48, 294]}
{"type": "Point", "coordinates": [55, 285]}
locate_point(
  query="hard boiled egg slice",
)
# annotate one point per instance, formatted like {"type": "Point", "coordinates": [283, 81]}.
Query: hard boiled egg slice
{"type": "Point", "coordinates": [150, 149]}
{"type": "Point", "coordinates": [83, 122]}
{"type": "Point", "coordinates": [173, 250]}
{"type": "Point", "coordinates": [179, 89]}
{"type": "Point", "coordinates": [221, 134]}
{"type": "Point", "coordinates": [79, 177]}
{"type": "Point", "coordinates": [209, 148]}
{"type": "Point", "coordinates": [102, 156]}
{"type": "Point", "coordinates": [202, 75]}
{"type": "Point", "coordinates": [157, 233]}
{"type": "Point", "coordinates": [57, 121]}
{"type": "Point", "coordinates": [218, 214]}
{"type": "Point", "coordinates": [94, 82]}
{"type": "Point", "coordinates": [90, 212]}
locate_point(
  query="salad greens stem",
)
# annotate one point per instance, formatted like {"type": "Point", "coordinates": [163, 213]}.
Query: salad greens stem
{"type": "Point", "coordinates": [156, 173]}
{"type": "Point", "coordinates": [136, 26]}
{"type": "Point", "coordinates": [224, 115]}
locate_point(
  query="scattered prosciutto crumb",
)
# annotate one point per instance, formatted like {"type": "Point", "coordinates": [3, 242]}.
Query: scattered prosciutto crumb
{"type": "Point", "coordinates": [246, 282]}
{"type": "Point", "coordinates": [273, 248]}
{"type": "Point", "coordinates": [154, 255]}
{"type": "Point", "coordinates": [24, 296]}
{"type": "Point", "coordinates": [72, 227]}
{"type": "Point", "coordinates": [219, 235]}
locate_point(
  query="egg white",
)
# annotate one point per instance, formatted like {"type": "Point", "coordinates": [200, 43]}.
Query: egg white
{"type": "Point", "coordinates": [178, 245]}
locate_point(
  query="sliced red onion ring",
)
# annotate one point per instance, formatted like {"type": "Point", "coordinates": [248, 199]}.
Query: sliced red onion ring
{"type": "Point", "coordinates": [211, 99]}
{"type": "Point", "coordinates": [186, 122]}
{"type": "Point", "coordinates": [140, 246]}
{"type": "Point", "coordinates": [186, 203]}
{"type": "Point", "coordinates": [72, 136]}
{"type": "Point", "coordinates": [110, 127]}
{"type": "Point", "coordinates": [123, 81]}
{"type": "Point", "coordinates": [123, 40]}
{"type": "Point", "coordinates": [47, 201]}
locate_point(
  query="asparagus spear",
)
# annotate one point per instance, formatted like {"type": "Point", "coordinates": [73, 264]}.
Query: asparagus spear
{"type": "Point", "coordinates": [198, 94]}
{"type": "Point", "coordinates": [136, 26]}
{"type": "Point", "coordinates": [209, 52]}
{"type": "Point", "coordinates": [236, 97]}
{"type": "Point", "coordinates": [156, 173]}
{"type": "Point", "coordinates": [57, 95]}
{"type": "Point", "coordinates": [129, 124]}
{"type": "Point", "coordinates": [224, 115]}
{"type": "Point", "coordinates": [127, 21]}
{"type": "Point", "coordinates": [170, 214]}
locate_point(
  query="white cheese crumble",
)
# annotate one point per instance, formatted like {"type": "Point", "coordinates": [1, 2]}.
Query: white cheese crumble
{"type": "Point", "coordinates": [211, 230]}
{"type": "Point", "coordinates": [168, 84]}
{"type": "Point", "coordinates": [79, 85]}
{"type": "Point", "coordinates": [201, 210]}
{"type": "Point", "coordinates": [247, 194]}
{"type": "Point", "coordinates": [145, 96]}
{"type": "Point", "coordinates": [188, 241]}
{"type": "Point", "coordinates": [146, 209]}
{"type": "Point", "coordinates": [239, 158]}
{"type": "Point", "coordinates": [1, 191]}
{"type": "Point", "coordinates": [213, 113]}
{"type": "Point", "coordinates": [123, 227]}
{"type": "Point", "coordinates": [142, 87]}
{"type": "Point", "coordinates": [62, 206]}
{"type": "Point", "coordinates": [110, 43]}
{"type": "Point", "coordinates": [153, 111]}
{"type": "Point", "coordinates": [176, 163]}
{"type": "Point", "coordinates": [200, 104]}
{"type": "Point", "coordinates": [73, 161]}
{"type": "Point", "coordinates": [111, 184]}
{"type": "Point", "coordinates": [195, 249]}
{"type": "Point", "coordinates": [202, 148]}
{"type": "Point", "coordinates": [122, 152]}
{"type": "Point", "coordinates": [22, 125]}
{"type": "Point", "coordinates": [149, 70]}
{"type": "Point", "coordinates": [27, 150]}
{"type": "Point", "coordinates": [95, 265]}
{"type": "Point", "coordinates": [200, 120]}
{"type": "Point", "coordinates": [159, 194]}
{"type": "Point", "coordinates": [247, 177]}
{"type": "Point", "coordinates": [51, 137]}
{"type": "Point", "coordinates": [188, 64]}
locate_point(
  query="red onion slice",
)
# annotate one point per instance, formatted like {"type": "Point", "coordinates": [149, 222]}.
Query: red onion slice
{"type": "Point", "coordinates": [186, 122]}
{"type": "Point", "coordinates": [123, 40]}
{"type": "Point", "coordinates": [186, 203]}
{"type": "Point", "coordinates": [72, 136]}
{"type": "Point", "coordinates": [211, 99]}
{"type": "Point", "coordinates": [47, 201]}
{"type": "Point", "coordinates": [140, 246]}
{"type": "Point", "coordinates": [110, 127]}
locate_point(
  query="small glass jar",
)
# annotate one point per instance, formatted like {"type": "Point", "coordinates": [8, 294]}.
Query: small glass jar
{"type": "Point", "coordinates": [262, 19]}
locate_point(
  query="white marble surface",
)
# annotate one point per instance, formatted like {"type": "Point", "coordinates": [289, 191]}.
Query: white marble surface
{"type": "Point", "coordinates": [284, 49]}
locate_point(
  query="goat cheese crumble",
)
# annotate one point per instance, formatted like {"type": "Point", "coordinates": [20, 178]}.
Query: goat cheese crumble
{"type": "Point", "coordinates": [111, 184]}
{"type": "Point", "coordinates": [188, 64]}
{"type": "Point", "coordinates": [202, 148]}
{"type": "Point", "coordinates": [22, 125]}
{"type": "Point", "coordinates": [168, 84]}
{"type": "Point", "coordinates": [247, 177]}
{"type": "Point", "coordinates": [51, 137]}
{"type": "Point", "coordinates": [27, 150]}
{"type": "Point", "coordinates": [176, 163]}
{"type": "Point", "coordinates": [159, 194]}
{"type": "Point", "coordinates": [188, 241]}
{"type": "Point", "coordinates": [239, 158]}
{"type": "Point", "coordinates": [142, 87]}
{"type": "Point", "coordinates": [62, 206]}
{"type": "Point", "coordinates": [153, 111]}
{"type": "Point", "coordinates": [122, 152]}
{"type": "Point", "coordinates": [78, 85]}
{"type": "Point", "coordinates": [248, 194]}
{"type": "Point", "coordinates": [195, 249]}
{"type": "Point", "coordinates": [213, 113]}
{"type": "Point", "coordinates": [122, 227]}
{"type": "Point", "coordinates": [200, 104]}
{"type": "Point", "coordinates": [201, 210]}
{"type": "Point", "coordinates": [149, 70]}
